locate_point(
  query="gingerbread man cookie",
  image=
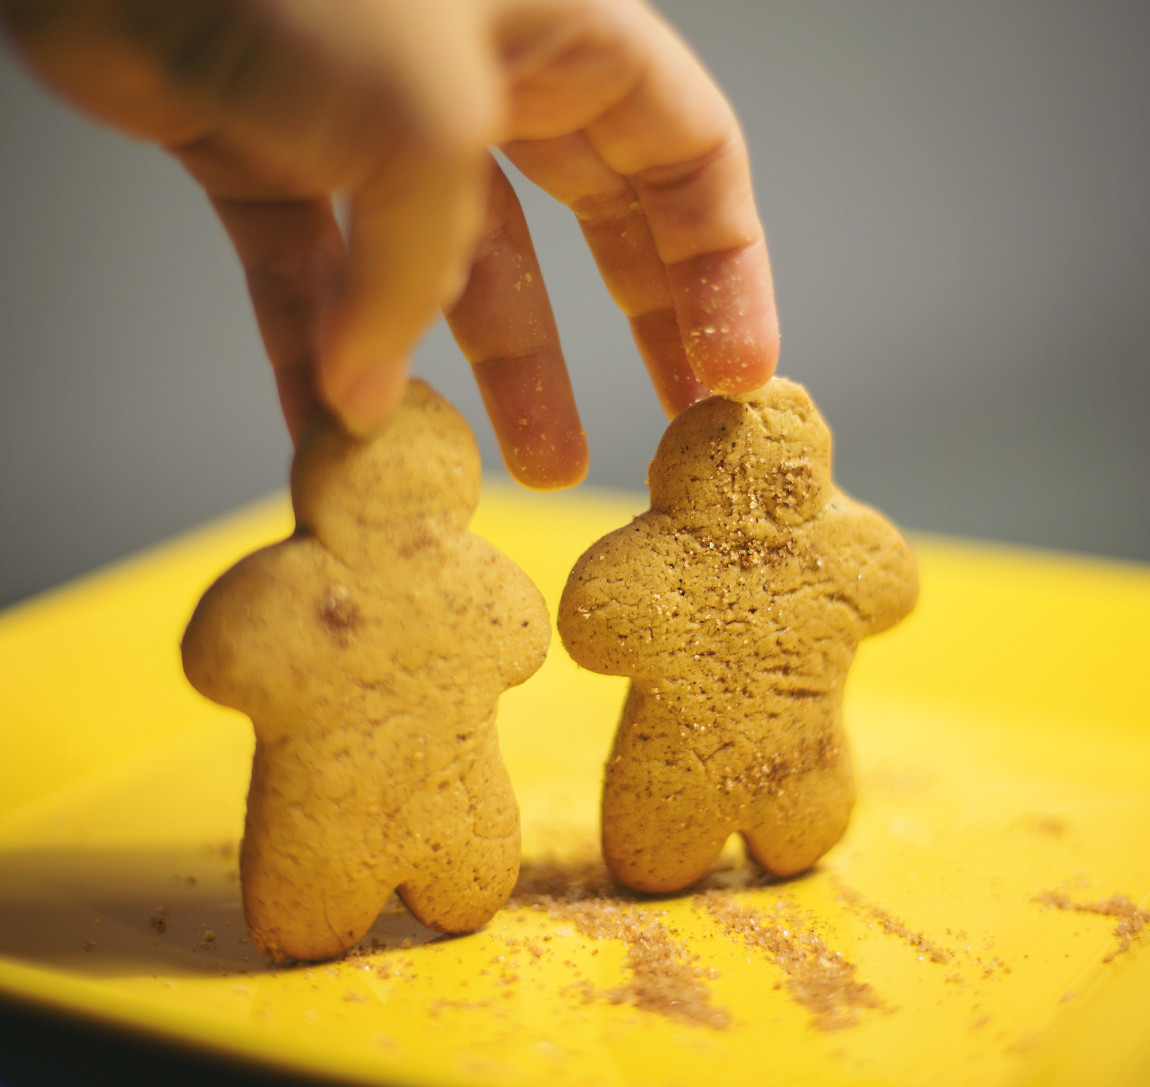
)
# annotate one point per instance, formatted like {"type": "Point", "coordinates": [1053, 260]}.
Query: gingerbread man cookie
{"type": "Point", "coordinates": [370, 649]}
{"type": "Point", "coordinates": [736, 605]}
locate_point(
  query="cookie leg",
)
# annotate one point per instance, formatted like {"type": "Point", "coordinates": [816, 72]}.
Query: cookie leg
{"type": "Point", "coordinates": [310, 887]}
{"type": "Point", "coordinates": [659, 835]}
{"type": "Point", "coordinates": [807, 816]}
{"type": "Point", "coordinates": [467, 823]}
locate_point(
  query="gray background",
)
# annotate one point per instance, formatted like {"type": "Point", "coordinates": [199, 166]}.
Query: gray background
{"type": "Point", "coordinates": [958, 203]}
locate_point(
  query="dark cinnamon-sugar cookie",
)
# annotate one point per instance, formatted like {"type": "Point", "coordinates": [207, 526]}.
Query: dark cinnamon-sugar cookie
{"type": "Point", "coordinates": [736, 605]}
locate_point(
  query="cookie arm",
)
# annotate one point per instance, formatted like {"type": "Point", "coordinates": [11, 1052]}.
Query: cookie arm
{"type": "Point", "coordinates": [514, 624]}
{"type": "Point", "coordinates": [877, 572]}
{"type": "Point", "coordinates": [210, 648]}
{"type": "Point", "coordinates": [231, 646]}
{"type": "Point", "coordinates": [608, 617]}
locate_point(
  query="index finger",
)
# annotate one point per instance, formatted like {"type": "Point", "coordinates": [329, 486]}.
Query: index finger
{"type": "Point", "coordinates": [664, 135]}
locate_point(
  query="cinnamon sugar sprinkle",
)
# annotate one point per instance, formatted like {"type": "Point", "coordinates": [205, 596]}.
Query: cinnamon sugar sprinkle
{"type": "Point", "coordinates": [817, 977]}
{"type": "Point", "coordinates": [1132, 921]}
{"type": "Point", "coordinates": [892, 926]}
{"type": "Point", "coordinates": [665, 976]}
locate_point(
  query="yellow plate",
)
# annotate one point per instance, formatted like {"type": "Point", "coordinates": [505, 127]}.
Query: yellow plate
{"type": "Point", "coordinates": [979, 923]}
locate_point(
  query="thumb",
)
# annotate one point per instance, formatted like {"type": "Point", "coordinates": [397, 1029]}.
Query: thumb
{"type": "Point", "coordinates": [413, 224]}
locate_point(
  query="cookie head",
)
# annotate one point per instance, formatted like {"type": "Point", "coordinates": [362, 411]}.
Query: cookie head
{"type": "Point", "coordinates": [745, 467]}
{"type": "Point", "coordinates": [425, 464]}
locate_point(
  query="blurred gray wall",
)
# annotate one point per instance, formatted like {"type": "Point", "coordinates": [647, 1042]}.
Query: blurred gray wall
{"type": "Point", "coordinates": [958, 203]}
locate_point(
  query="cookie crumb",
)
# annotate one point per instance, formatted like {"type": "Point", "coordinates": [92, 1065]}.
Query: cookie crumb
{"type": "Point", "coordinates": [159, 920]}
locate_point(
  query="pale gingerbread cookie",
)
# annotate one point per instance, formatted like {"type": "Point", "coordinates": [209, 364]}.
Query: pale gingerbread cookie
{"type": "Point", "coordinates": [370, 649]}
{"type": "Point", "coordinates": [736, 605]}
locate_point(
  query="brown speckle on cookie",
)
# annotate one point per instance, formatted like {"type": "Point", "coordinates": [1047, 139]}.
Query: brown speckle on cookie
{"type": "Point", "coordinates": [338, 612]}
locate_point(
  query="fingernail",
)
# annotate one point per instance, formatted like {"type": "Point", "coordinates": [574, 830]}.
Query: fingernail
{"type": "Point", "coordinates": [370, 400]}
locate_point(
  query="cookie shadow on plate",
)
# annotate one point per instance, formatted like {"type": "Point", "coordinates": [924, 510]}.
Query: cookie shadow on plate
{"type": "Point", "coordinates": [106, 912]}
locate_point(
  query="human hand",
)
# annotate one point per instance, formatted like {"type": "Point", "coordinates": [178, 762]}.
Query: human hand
{"type": "Point", "coordinates": [277, 106]}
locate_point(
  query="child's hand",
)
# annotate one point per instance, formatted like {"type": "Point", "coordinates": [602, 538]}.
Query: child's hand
{"type": "Point", "coordinates": [276, 106]}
